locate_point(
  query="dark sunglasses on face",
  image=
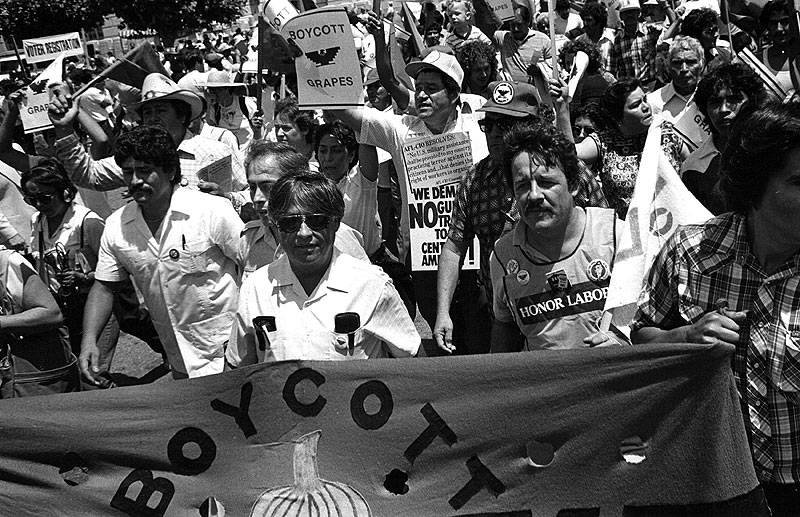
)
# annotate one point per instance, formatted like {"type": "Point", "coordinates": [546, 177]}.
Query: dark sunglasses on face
{"type": "Point", "coordinates": [488, 124]}
{"type": "Point", "coordinates": [292, 223]}
{"type": "Point", "coordinates": [42, 199]}
{"type": "Point", "coordinates": [582, 130]}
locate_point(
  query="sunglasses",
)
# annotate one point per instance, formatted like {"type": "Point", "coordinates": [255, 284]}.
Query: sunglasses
{"type": "Point", "coordinates": [292, 223]}
{"type": "Point", "coordinates": [488, 124]}
{"type": "Point", "coordinates": [38, 199]}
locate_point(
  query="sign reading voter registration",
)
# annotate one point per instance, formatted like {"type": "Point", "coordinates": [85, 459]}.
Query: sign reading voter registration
{"type": "Point", "coordinates": [328, 71]}
{"type": "Point", "coordinates": [49, 47]}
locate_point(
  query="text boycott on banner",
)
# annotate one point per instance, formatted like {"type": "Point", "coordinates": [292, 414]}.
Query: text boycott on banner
{"type": "Point", "coordinates": [621, 431]}
{"type": "Point", "coordinates": [435, 165]}
{"type": "Point", "coordinates": [328, 70]}
{"type": "Point", "coordinates": [47, 48]}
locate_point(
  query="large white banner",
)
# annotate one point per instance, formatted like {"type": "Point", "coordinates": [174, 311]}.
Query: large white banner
{"type": "Point", "coordinates": [328, 71]}
{"type": "Point", "coordinates": [661, 203]}
{"type": "Point", "coordinates": [33, 112]}
{"type": "Point", "coordinates": [435, 166]}
{"type": "Point", "coordinates": [49, 47]}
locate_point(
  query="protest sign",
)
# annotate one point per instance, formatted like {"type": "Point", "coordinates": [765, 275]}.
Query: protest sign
{"type": "Point", "coordinates": [615, 431]}
{"type": "Point", "coordinates": [277, 12]}
{"type": "Point", "coordinates": [275, 52]}
{"type": "Point", "coordinates": [692, 126]}
{"type": "Point", "coordinates": [660, 203]}
{"type": "Point", "coordinates": [33, 111]}
{"type": "Point", "coordinates": [49, 47]}
{"type": "Point", "coordinates": [503, 9]}
{"type": "Point", "coordinates": [327, 66]}
{"type": "Point", "coordinates": [435, 166]}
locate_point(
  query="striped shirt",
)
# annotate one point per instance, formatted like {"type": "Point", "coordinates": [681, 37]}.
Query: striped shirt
{"type": "Point", "coordinates": [701, 264]}
{"type": "Point", "coordinates": [518, 56]}
{"type": "Point", "coordinates": [454, 41]}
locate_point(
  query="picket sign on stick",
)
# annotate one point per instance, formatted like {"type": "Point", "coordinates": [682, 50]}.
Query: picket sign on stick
{"type": "Point", "coordinates": [579, 64]}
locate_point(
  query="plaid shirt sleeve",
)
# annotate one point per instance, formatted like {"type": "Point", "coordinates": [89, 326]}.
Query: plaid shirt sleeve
{"type": "Point", "coordinates": [658, 302]}
{"type": "Point", "coordinates": [589, 191]}
{"type": "Point", "coordinates": [461, 229]}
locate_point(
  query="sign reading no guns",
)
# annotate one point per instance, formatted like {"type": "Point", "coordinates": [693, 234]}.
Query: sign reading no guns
{"type": "Point", "coordinates": [328, 71]}
{"type": "Point", "coordinates": [49, 47]}
{"type": "Point", "coordinates": [435, 165]}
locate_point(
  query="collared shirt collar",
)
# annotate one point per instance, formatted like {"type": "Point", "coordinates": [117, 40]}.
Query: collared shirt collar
{"type": "Point", "coordinates": [334, 278]}
{"type": "Point", "coordinates": [725, 241]}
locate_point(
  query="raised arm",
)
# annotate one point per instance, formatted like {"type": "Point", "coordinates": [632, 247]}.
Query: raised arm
{"type": "Point", "coordinates": [383, 62]}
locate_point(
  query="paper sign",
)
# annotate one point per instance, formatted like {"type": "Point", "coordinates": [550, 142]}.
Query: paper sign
{"type": "Point", "coordinates": [33, 111]}
{"type": "Point", "coordinates": [219, 172]}
{"type": "Point", "coordinates": [503, 9]}
{"type": "Point", "coordinates": [692, 126]}
{"type": "Point", "coordinates": [277, 12]}
{"type": "Point", "coordinates": [435, 166]}
{"type": "Point", "coordinates": [328, 70]}
{"type": "Point", "coordinates": [49, 47]}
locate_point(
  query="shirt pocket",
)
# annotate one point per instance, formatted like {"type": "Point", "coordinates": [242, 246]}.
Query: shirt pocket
{"type": "Point", "coordinates": [195, 257]}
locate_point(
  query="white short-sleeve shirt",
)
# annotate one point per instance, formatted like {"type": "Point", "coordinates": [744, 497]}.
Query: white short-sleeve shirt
{"type": "Point", "coordinates": [304, 324]}
{"type": "Point", "coordinates": [187, 276]}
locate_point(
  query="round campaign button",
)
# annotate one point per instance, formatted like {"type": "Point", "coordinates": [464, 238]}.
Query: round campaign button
{"type": "Point", "coordinates": [174, 254]}
{"type": "Point", "coordinates": [523, 277]}
{"type": "Point", "coordinates": [597, 270]}
{"type": "Point", "coordinates": [512, 266]}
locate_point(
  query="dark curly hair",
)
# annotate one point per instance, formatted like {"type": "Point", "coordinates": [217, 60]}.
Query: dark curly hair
{"type": "Point", "coordinates": [470, 53]}
{"type": "Point", "coordinates": [759, 146]}
{"type": "Point", "coordinates": [151, 144]}
{"type": "Point", "coordinates": [343, 134]}
{"type": "Point", "coordinates": [547, 145]}
{"type": "Point", "coordinates": [311, 191]}
{"type": "Point", "coordinates": [595, 11]}
{"type": "Point", "coordinates": [613, 101]}
{"type": "Point", "coordinates": [304, 120]}
{"type": "Point", "coordinates": [51, 173]}
{"type": "Point", "coordinates": [575, 46]}
{"type": "Point", "coordinates": [698, 20]}
{"type": "Point", "coordinates": [736, 77]}
{"type": "Point", "coordinates": [773, 6]}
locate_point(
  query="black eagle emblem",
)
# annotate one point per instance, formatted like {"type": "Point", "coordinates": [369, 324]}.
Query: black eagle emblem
{"type": "Point", "coordinates": [38, 86]}
{"type": "Point", "coordinates": [323, 57]}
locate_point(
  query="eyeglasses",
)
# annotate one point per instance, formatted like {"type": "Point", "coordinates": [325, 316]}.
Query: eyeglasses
{"type": "Point", "coordinates": [488, 124]}
{"type": "Point", "coordinates": [582, 131]}
{"type": "Point", "coordinates": [292, 223]}
{"type": "Point", "coordinates": [38, 199]}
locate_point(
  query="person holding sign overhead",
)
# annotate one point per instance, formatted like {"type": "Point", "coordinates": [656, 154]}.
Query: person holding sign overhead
{"type": "Point", "coordinates": [438, 78]}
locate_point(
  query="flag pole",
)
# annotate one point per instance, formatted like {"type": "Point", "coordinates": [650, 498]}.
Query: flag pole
{"type": "Point", "coordinates": [262, 29]}
{"type": "Point", "coordinates": [19, 59]}
{"type": "Point", "coordinates": [552, 22]}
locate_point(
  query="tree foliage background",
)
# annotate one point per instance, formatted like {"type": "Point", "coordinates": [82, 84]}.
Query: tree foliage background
{"type": "Point", "coordinates": [34, 18]}
{"type": "Point", "coordinates": [173, 18]}
{"type": "Point", "coordinates": [169, 18]}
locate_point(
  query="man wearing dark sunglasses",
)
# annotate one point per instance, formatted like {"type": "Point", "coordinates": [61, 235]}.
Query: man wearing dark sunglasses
{"type": "Point", "coordinates": [297, 306]}
{"type": "Point", "coordinates": [266, 163]}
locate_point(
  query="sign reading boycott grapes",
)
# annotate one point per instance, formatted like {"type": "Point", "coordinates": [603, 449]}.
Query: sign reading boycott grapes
{"type": "Point", "coordinates": [584, 432]}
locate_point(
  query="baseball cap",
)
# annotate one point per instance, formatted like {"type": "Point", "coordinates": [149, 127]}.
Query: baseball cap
{"type": "Point", "coordinates": [439, 61]}
{"type": "Point", "coordinates": [628, 5]}
{"type": "Point", "coordinates": [512, 99]}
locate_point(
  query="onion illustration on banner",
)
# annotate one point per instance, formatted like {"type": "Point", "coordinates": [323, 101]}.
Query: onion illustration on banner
{"type": "Point", "coordinates": [310, 495]}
